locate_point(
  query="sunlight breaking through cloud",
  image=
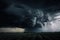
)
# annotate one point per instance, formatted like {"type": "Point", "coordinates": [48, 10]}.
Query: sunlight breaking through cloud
{"type": "Point", "coordinates": [52, 26]}
{"type": "Point", "coordinates": [12, 30]}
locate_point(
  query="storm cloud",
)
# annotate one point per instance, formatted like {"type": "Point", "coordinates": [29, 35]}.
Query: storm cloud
{"type": "Point", "coordinates": [39, 16]}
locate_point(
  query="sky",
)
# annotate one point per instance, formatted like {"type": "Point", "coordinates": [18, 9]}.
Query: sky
{"type": "Point", "coordinates": [13, 13]}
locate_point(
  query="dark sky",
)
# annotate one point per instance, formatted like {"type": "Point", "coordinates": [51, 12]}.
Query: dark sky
{"type": "Point", "coordinates": [46, 5]}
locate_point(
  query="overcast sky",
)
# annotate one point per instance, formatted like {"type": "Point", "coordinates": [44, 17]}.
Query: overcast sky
{"type": "Point", "coordinates": [24, 6]}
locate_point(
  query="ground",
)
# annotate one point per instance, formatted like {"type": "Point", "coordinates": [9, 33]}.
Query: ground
{"type": "Point", "coordinates": [30, 36]}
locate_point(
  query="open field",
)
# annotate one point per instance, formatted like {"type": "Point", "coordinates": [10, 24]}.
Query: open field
{"type": "Point", "coordinates": [30, 36]}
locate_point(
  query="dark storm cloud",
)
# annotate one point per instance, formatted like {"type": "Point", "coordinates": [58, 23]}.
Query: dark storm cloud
{"type": "Point", "coordinates": [22, 8]}
{"type": "Point", "coordinates": [47, 5]}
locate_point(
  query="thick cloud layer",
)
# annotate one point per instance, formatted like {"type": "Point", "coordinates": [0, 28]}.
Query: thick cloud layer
{"type": "Point", "coordinates": [39, 16]}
